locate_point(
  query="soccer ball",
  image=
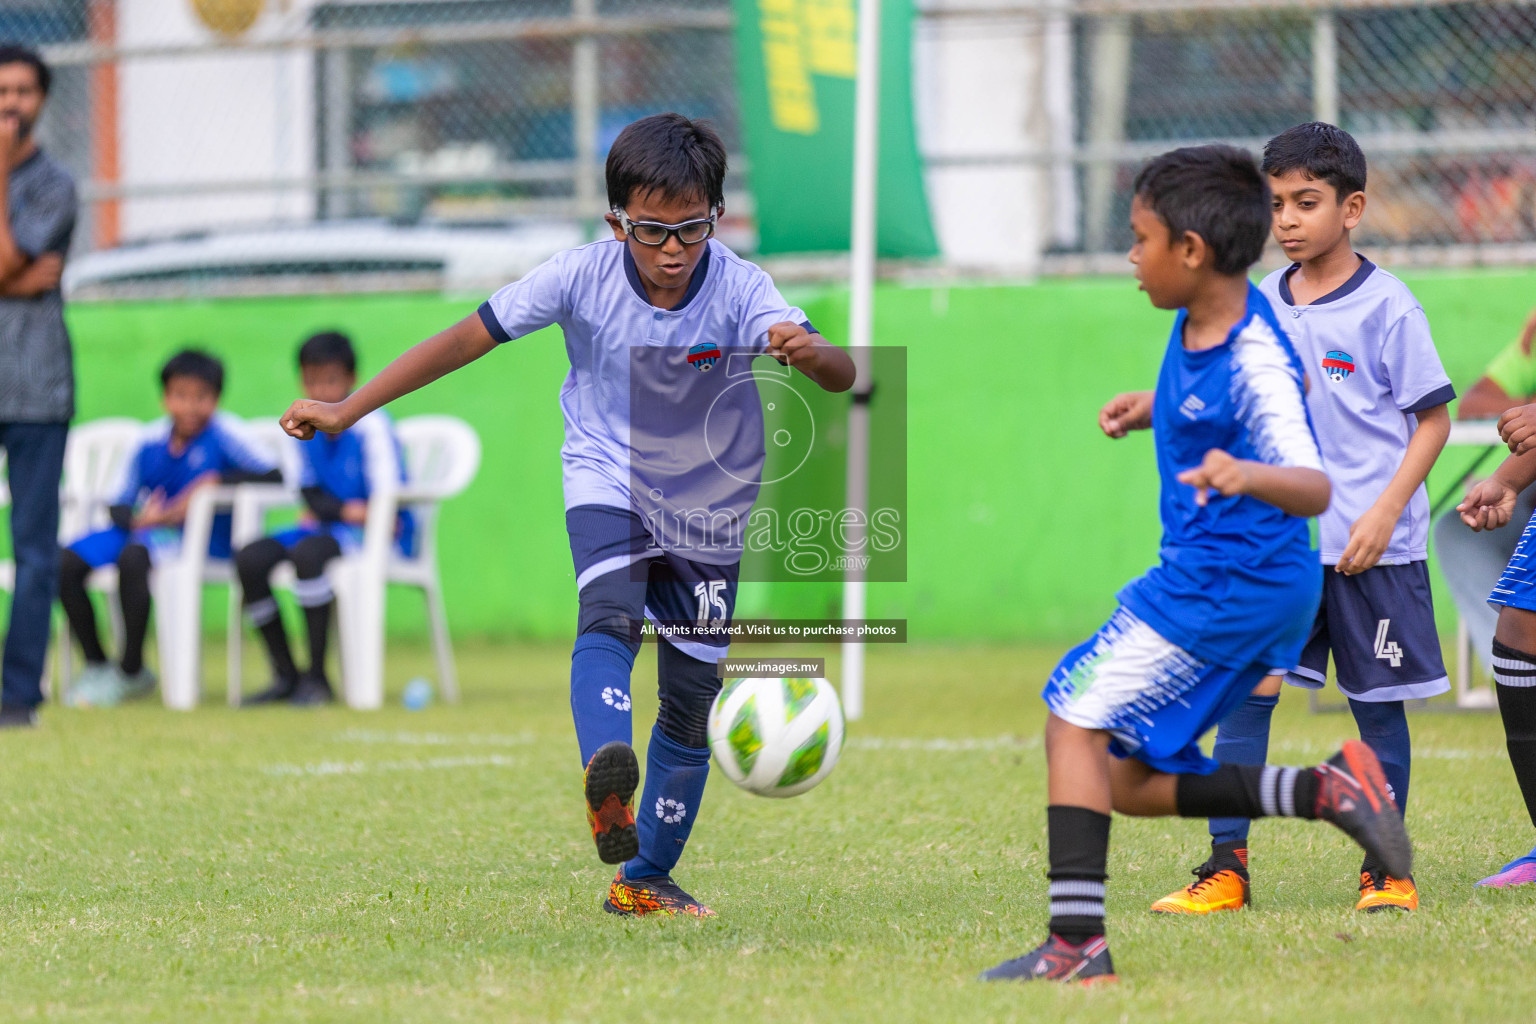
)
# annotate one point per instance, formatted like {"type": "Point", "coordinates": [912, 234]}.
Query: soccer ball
{"type": "Point", "coordinates": [776, 737]}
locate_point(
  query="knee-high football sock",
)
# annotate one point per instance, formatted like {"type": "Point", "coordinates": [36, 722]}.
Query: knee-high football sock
{"type": "Point", "coordinates": [313, 591]}
{"type": "Point", "coordinates": [317, 624]}
{"type": "Point", "coordinates": [73, 572]}
{"type": "Point", "coordinates": [1514, 674]}
{"type": "Point", "coordinates": [1079, 850]}
{"type": "Point", "coordinates": [1248, 791]}
{"type": "Point", "coordinates": [600, 668]}
{"type": "Point", "coordinates": [1384, 727]}
{"type": "Point", "coordinates": [255, 563]}
{"type": "Point", "coordinates": [674, 787]}
{"type": "Point", "coordinates": [1242, 738]}
{"type": "Point", "coordinates": [264, 616]}
{"type": "Point", "coordinates": [133, 595]}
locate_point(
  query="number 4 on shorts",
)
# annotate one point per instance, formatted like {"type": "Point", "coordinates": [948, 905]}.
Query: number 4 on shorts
{"type": "Point", "coordinates": [1387, 650]}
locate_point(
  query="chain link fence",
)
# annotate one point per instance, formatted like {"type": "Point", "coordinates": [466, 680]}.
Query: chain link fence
{"type": "Point", "coordinates": [1441, 96]}
{"type": "Point", "coordinates": [182, 116]}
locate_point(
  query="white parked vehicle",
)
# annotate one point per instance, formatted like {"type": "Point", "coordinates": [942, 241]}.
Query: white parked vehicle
{"type": "Point", "coordinates": [327, 256]}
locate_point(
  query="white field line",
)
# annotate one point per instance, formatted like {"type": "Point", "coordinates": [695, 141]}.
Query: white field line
{"type": "Point", "coordinates": [323, 768]}
{"type": "Point", "coordinates": [435, 739]}
{"type": "Point", "coordinates": [940, 744]}
{"type": "Point", "coordinates": [943, 745]}
{"type": "Point", "coordinates": [936, 744]}
{"type": "Point", "coordinates": [1320, 750]}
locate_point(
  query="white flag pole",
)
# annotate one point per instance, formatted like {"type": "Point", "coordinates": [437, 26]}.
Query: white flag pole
{"type": "Point", "coordinates": [866, 151]}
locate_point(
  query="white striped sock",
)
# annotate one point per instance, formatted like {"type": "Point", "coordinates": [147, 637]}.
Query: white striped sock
{"type": "Point", "coordinates": [261, 612]}
{"type": "Point", "coordinates": [1269, 793]}
{"type": "Point", "coordinates": [1288, 791]}
{"type": "Point", "coordinates": [1077, 897]}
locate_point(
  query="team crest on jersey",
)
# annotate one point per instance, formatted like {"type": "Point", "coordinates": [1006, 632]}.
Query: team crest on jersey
{"type": "Point", "coordinates": [704, 356]}
{"type": "Point", "coordinates": [1338, 366]}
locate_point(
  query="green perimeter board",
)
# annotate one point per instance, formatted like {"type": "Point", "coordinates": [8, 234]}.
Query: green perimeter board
{"type": "Point", "coordinates": [1024, 521]}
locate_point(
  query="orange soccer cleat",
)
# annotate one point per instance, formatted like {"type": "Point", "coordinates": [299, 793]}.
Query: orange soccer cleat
{"type": "Point", "coordinates": [1380, 891]}
{"type": "Point", "coordinates": [1216, 887]}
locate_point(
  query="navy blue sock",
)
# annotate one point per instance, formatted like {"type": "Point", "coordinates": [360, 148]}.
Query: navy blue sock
{"type": "Point", "coordinates": [674, 787]}
{"type": "Point", "coordinates": [1384, 728]}
{"type": "Point", "coordinates": [600, 668]}
{"type": "Point", "coordinates": [1242, 738]}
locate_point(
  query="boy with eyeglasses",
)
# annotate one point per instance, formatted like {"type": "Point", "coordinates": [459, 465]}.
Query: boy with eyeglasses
{"type": "Point", "coordinates": [654, 508]}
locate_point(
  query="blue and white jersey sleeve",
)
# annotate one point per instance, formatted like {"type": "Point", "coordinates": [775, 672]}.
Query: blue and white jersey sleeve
{"type": "Point", "coordinates": [1412, 366]}
{"type": "Point", "coordinates": [761, 306]}
{"type": "Point", "coordinates": [531, 303]}
{"type": "Point", "coordinates": [1268, 397]}
{"type": "Point", "coordinates": [235, 450]}
{"type": "Point", "coordinates": [130, 477]}
{"type": "Point", "coordinates": [382, 468]}
{"type": "Point", "coordinates": [308, 477]}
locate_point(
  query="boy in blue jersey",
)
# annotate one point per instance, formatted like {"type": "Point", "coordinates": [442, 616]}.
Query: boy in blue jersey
{"type": "Point", "coordinates": [191, 447]}
{"type": "Point", "coordinates": [1490, 505]}
{"type": "Point", "coordinates": [654, 508]}
{"type": "Point", "coordinates": [1236, 585]}
{"type": "Point", "coordinates": [340, 472]}
{"type": "Point", "coordinates": [1378, 399]}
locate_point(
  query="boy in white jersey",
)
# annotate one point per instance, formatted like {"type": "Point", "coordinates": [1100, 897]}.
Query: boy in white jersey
{"type": "Point", "coordinates": [1235, 585]}
{"type": "Point", "coordinates": [1378, 399]}
{"type": "Point", "coordinates": [654, 508]}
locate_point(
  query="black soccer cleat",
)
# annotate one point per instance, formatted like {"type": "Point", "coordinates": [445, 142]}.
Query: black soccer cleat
{"type": "Point", "coordinates": [312, 691]}
{"type": "Point", "coordinates": [1059, 960]}
{"type": "Point", "coordinates": [280, 692]}
{"type": "Point", "coordinates": [613, 775]}
{"type": "Point", "coordinates": [1352, 793]}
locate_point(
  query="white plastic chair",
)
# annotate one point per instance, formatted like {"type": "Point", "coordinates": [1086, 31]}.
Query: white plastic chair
{"type": "Point", "coordinates": [442, 457]}
{"type": "Point", "coordinates": [92, 462]}
{"type": "Point", "coordinates": [177, 583]}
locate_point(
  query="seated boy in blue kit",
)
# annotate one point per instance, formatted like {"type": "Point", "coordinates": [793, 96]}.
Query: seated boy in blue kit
{"type": "Point", "coordinates": [341, 471]}
{"type": "Point", "coordinates": [191, 447]}
{"type": "Point", "coordinates": [1236, 585]}
{"type": "Point", "coordinates": [632, 310]}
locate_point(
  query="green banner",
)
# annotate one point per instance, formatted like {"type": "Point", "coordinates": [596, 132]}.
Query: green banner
{"type": "Point", "coordinates": [795, 63]}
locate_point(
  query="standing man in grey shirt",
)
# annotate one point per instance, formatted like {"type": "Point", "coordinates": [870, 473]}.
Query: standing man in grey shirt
{"type": "Point", "coordinates": [37, 380]}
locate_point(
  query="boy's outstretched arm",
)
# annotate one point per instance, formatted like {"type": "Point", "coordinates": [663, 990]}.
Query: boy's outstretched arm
{"type": "Point", "coordinates": [1125, 413]}
{"type": "Point", "coordinates": [1294, 490]}
{"type": "Point", "coordinates": [1490, 503]}
{"type": "Point", "coordinates": [416, 367]}
{"type": "Point", "coordinates": [1370, 535]}
{"type": "Point", "coordinates": [829, 366]}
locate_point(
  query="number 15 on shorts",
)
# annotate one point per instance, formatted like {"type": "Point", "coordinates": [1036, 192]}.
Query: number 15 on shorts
{"type": "Point", "coordinates": [711, 595]}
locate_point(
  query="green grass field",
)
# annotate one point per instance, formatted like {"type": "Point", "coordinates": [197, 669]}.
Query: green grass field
{"type": "Point", "coordinates": [276, 865]}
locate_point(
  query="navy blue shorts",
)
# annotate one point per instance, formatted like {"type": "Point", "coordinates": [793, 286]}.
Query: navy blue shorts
{"type": "Point", "coordinates": [1380, 628]}
{"type": "Point", "coordinates": [1154, 698]}
{"type": "Point", "coordinates": [690, 603]}
{"type": "Point", "coordinates": [104, 546]}
{"type": "Point", "coordinates": [1517, 586]}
